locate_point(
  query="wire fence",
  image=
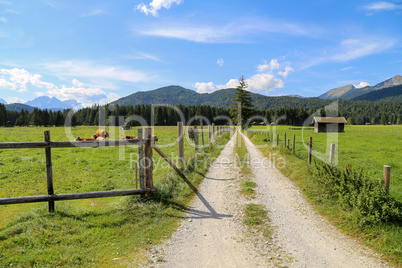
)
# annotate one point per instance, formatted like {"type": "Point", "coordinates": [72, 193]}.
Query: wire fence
{"type": "Point", "coordinates": [301, 151]}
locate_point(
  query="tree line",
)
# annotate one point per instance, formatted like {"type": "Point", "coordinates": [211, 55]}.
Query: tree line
{"type": "Point", "coordinates": [164, 115]}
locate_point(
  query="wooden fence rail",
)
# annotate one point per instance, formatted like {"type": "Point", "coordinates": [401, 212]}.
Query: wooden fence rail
{"type": "Point", "coordinates": [145, 168]}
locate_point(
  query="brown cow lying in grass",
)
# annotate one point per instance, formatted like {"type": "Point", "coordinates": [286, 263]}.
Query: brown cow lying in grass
{"type": "Point", "coordinates": [102, 133]}
{"type": "Point", "coordinates": [125, 137]}
{"type": "Point", "coordinates": [94, 138]}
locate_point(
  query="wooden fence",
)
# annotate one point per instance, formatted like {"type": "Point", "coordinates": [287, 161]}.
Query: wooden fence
{"type": "Point", "coordinates": [386, 170]}
{"type": "Point", "coordinates": [144, 144]}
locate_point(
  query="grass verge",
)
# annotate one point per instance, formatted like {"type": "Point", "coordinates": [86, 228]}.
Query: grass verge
{"type": "Point", "coordinates": [242, 158]}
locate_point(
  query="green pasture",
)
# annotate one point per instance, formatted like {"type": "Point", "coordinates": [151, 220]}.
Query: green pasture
{"type": "Point", "coordinates": [364, 147]}
{"type": "Point", "coordinates": [100, 232]}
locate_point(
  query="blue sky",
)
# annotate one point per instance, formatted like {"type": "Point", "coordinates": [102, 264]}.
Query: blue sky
{"type": "Point", "coordinates": [98, 51]}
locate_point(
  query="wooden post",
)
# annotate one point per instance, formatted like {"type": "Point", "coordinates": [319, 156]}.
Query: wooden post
{"type": "Point", "coordinates": [288, 143]}
{"type": "Point", "coordinates": [387, 177]}
{"type": "Point", "coordinates": [277, 139]}
{"type": "Point", "coordinates": [49, 171]}
{"type": "Point", "coordinates": [136, 175]}
{"type": "Point", "coordinates": [213, 131]}
{"type": "Point", "coordinates": [284, 139]}
{"type": "Point", "coordinates": [141, 161]}
{"type": "Point", "coordinates": [332, 153]}
{"type": "Point", "coordinates": [209, 133]}
{"type": "Point", "coordinates": [294, 142]}
{"type": "Point", "coordinates": [180, 141]}
{"type": "Point", "coordinates": [272, 137]}
{"type": "Point", "coordinates": [310, 149]}
{"type": "Point", "coordinates": [148, 158]}
{"type": "Point", "coordinates": [196, 138]}
{"type": "Point", "coordinates": [202, 134]}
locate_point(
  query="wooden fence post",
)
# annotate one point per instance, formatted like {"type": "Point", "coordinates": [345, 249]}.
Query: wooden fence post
{"type": "Point", "coordinates": [332, 153]}
{"type": "Point", "coordinates": [209, 133]}
{"type": "Point", "coordinates": [213, 131]}
{"type": "Point", "coordinates": [136, 175]}
{"type": "Point", "coordinates": [284, 139]}
{"type": "Point", "coordinates": [288, 143]}
{"type": "Point", "coordinates": [180, 136]}
{"type": "Point", "coordinates": [294, 142]}
{"type": "Point", "coordinates": [387, 177]}
{"type": "Point", "coordinates": [141, 162]}
{"type": "Point", "coordinates": [49, 171]}
{"type": "Point", "coordinates": [277, 139]}
{"type": "Point", "coordinates": [195, 137]}
{"type": "Point", "coordinates": [310, 149]}
{"type": "Point", "coordinates": [202, 134]}
{"type": "Point", "coordinates": [272, 137]}
{"type": "Point", "coordinates": [148, 158]}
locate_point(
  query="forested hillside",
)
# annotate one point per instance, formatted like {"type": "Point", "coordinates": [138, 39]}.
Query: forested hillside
{"type": "Point", "coordinates": [356, 113]}
{"type": "Point", "coordinates": [390, 94]}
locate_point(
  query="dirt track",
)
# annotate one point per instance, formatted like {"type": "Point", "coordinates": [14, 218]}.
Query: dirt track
{"type": "Point", "coordinates": [212, 233]}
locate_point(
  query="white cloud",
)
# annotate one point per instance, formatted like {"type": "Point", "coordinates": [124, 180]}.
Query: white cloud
{"type": "Point", "coordinates": [357, 48]}
{"type": "Point", "coordinates": [4, 84]}
{"type": "Point", "coordinates": [21, 78]}
{"type": "Point", "coordinates": [379, 6]}
{"type": "Point", "coordinates": [267, 67]}
{"type": "Point", "coordinates": [40, 94]}
{"type": "Point", "coordinates": [220, 62]}
{"type": "Point", "coordinates": [239, 31]}
{"type": "Point", "coordinates": [157, 5]}
{"type": "Point", "coordinates": [284, 74]}
{"type": "Point", "coordinates": [346, 68]}
{"type": "Point", "coordinates": [96, 12]}
{"type": "Point", "coordinates": [77, 83]}
{"type": "Point", "coordinates": [263, 82]}
{"type": "Point", "coordinates": [77, 93]}
{"type": "Point", "coordinates": [203, 87]}
{"type": "Point", "coordinates": [92, 70]}
{"type": "Point", "coordinates": [3, 19]}
{"type": "Point", "coordinates": [362, 84]}
{"type": "Point", "coordinates": [112, 97]}
{"type": "Point", "coordinates": [14, 100]}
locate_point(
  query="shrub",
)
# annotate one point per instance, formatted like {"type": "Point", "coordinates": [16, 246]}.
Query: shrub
{"type": "Point", "coordinates": [355, 191]}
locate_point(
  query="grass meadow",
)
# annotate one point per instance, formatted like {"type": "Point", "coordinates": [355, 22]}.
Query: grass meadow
{"type": "Point", "coordinates": [361, 211]}
{"type": "Point", "coordinates": [364, 147]}
{"type": "Point", "coordinates": [101, 232]}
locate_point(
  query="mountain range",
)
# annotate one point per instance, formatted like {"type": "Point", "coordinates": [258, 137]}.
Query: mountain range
{"type": "Point", "coordinates": [350, 92]}
{"type": "Point", "coordinates": [176, 95]}
{"type": "Point", "coordinates": [44, 102]}
{"type": "Point", "coordinates": [387, 91]}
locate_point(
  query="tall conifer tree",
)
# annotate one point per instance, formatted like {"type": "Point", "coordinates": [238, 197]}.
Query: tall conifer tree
{"type": "Point", "coordinates": [242, 105]}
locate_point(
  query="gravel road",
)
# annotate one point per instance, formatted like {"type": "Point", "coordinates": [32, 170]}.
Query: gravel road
{"type": "Point", "coordinates": [212, 233]}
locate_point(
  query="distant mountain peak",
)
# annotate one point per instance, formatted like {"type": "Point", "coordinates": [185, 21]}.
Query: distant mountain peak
{"type": "Point", "coordinates": [337, 92]}
{"type": "Point", "coordinates": [3, 101]}
{"type": "Point", "coordinates": [46, 102]}
{"type": "Point", "coordinates": [350, 91]}
{"type": "Point", "coordinates": [393, 81]}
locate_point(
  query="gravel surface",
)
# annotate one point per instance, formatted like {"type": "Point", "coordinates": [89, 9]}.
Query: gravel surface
{"type": "Point", "coordinates": [212, 233]}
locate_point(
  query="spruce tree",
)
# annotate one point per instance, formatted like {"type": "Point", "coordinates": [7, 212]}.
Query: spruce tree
{"type": "Point", "coordinates": [242, 105]}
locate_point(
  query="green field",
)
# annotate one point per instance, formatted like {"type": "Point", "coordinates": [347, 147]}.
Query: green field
{"type": "Point", "coordinates": [98, 232]}
{"type": "Point", "coordinates": [364, 147]}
